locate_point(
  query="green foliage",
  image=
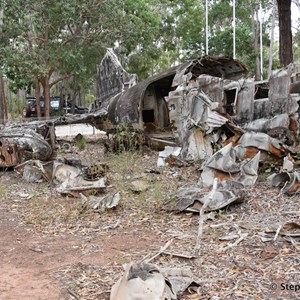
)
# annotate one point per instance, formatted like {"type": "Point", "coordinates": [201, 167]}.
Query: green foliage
{"type": "Point", "coordinates": [270, 167]}
{"type": "Point", "coordinates": [89, 98]}
{"type": "Point", "coordinates": [80, 142]}
{"type": "Point", "coordinates": [68, 38]}
{"type": "Point", "coordinates": [221, 31]}
{"type": "Point", "coordinates": [125, 139]}
{"type": "Point", "coordinates": [179, 31]}
{"type": "Point", "coordinates": [15, 107]}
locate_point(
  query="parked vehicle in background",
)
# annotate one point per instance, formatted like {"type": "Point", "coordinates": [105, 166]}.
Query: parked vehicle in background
{"type": "Point", "coordinates": [29, 109]}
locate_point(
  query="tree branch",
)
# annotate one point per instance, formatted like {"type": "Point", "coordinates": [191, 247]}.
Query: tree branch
{"type": "Point", "coordinates": [201, 217]}
{"type": "Point", "coordinates": [58, 80]}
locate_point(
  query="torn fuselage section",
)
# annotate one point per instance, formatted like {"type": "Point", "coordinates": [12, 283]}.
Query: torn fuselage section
{"type": "Point", "coordinates": [152, 104]}
{"type": "Point", "coordinates": [203, 104]}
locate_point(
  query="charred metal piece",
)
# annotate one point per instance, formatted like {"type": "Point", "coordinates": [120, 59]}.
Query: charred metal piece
{"type": "Point", "coordinates": [10, 155]}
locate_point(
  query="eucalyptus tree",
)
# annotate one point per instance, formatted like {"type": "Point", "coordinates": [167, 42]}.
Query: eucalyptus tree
{"type": "Point", "coordinates": [175, 34]}
{"type": "Point", "coordinates": [2, 96]}
{"type": "Point", "coordinates": [184, 30]}
{"type": "Point", "coordinates": [247, 30]}
{"type": "Point", "coordinates": [48, 41]}
{"type": "Point", "coordinates": [137, 45]}
{"type": "Point", "coordinates": [285, 32]}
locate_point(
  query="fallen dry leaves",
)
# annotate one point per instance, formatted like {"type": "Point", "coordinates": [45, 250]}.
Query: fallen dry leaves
{"type": "Point", "coordinates": [139, 227]}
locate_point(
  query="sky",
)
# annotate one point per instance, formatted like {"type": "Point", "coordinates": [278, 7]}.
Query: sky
{"type": "Point", "coordinates": [295, 16]}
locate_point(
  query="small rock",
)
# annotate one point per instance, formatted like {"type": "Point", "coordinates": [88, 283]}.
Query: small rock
{"type": "Point", "coordinates": [139, 186]}
{"type": "Point", "coordinates": [25, 196]}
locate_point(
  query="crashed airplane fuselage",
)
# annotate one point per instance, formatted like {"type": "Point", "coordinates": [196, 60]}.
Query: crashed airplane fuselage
{"type": "Point", "coordinates": [199, 104]}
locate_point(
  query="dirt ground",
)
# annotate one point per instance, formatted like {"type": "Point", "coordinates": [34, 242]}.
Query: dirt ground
{"type": "Point", "coordinates": [54, 248]}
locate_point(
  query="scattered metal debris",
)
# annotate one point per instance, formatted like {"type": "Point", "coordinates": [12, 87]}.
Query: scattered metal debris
{"type": "Point", "coordinates": [174, 151]}
{"type": "Point", "coordinates": [288, 231]}
{"type": "Point", "coordinates": [181, 279]}
{"type": "Point", "coordinates": [192, 198]}
{"type": "Point", "coordinates": [10, 155]}
{"type": "Point", "coordinates": [225, 165]}
{"type": "Point", "coordinates": [142, 281]}
{"type": "Point", "coordinates": [71, 181]}
{"type": "Point", "coordinates": [35, 170]}
{"type": "Point", "coordinates": [233, 175]}
{"type": "Point", "coordinates": [101, 203]}
{"type": "Point", "coordinates": [32, 174]}
{"type": "Point", "coordinates": [288, 182]}
{"type": "Point", "coordinates": [30, 144]}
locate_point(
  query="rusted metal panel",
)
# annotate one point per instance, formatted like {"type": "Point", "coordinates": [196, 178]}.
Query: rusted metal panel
{"type": "Point", "coordinates": [263, 142]}
{"type": "Point", "coordinates": [33, 144]}
{"type": "Point", "coordinates": [196, 145]}
{"type": "Point", "coordinates": [10, 155]}
{"type": "Point", "coordinates": [225, 165]}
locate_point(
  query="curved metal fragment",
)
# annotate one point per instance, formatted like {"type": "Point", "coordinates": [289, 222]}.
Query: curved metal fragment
{"type": "Point", "coordinates": [33, 144]}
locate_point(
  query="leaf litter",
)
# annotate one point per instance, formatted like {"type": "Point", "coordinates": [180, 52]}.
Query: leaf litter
{"type": "Point", "coordinates": [244, 266]}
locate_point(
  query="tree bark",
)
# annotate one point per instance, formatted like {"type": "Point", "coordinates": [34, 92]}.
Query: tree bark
{"type": "Point", "coordinates": [2, 101]}
{"type": "Point", "coordinates": [73, 96]}
{"type": "Point", "coordinates": [271, 41]}
{"type": "Point", "coordinates": [285, 32]}
{"type": "Point", "coordinates": [255, 31]}
{"type": "Point", "coordinates": [63, 96]}
{"type": "Point", "coordinates": [2, 94]}
{"type": "Point", "coordinates": [37, 94]}
{"type": "Point", "coordinates": [46, 86]}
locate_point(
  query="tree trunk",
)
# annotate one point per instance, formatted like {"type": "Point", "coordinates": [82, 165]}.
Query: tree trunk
{"type": "Point", "coordinates": [37, 94]}
{"type": "Point", "coordinates": [285, 32]}
{"type": "Point", "coordinates": [46, 86]}
{"type": "Point", "coordinates": [2, 94]}
{"type": "Point", "coordinates": [271, 41]}
{"type": "Point", "coordinates": [2, 101]}
{"type": "Point", "coordinates": [63, 96]}
{"type": "Point", "coordinates": [255, 31]}
{"type": "Point", "coordinates": [73, 96]}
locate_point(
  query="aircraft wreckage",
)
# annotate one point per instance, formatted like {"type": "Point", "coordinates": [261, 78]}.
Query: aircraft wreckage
{"type": "Point", "coordinates": [194, 109]}
{"type": "Point", "coordinates": [202, 105]}
{"type": "Point", "coordinates": [209, 110]}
